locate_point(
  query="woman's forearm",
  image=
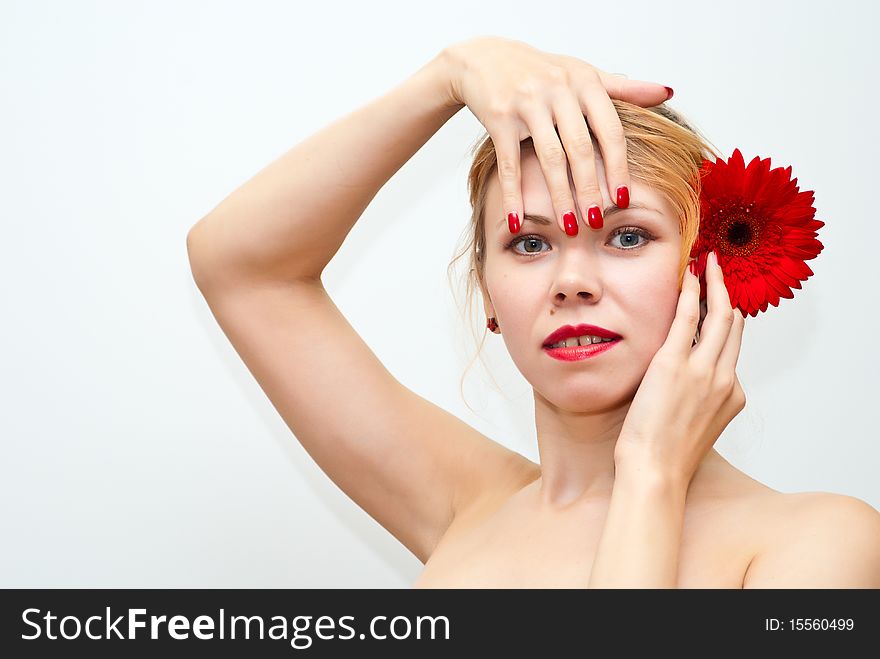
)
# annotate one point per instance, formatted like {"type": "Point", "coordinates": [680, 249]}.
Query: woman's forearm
{"type": "Point", "coordinates": [640, 542]}
{"type": "Point", "coordinates": [289, 220]}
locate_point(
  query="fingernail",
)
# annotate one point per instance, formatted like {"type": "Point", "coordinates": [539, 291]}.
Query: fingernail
{"type": "Point", "coordinates": [513, 222]}
{"type": "Point", "coordinates": [594, 217]}
{"type": "Point", "coordinates": [622, 197]}
{"type": "Point", "coordinates": [714, 256]}
{"type": "Point", "coordinates": [692, 266]}
{"type": "Point", "coordinates": [571, 225]}
{"type": "Point", "coordinates": [669, 93]}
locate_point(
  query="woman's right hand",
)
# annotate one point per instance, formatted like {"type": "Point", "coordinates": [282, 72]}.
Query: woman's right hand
{"type": "Point", "coordinates": [517, 91]}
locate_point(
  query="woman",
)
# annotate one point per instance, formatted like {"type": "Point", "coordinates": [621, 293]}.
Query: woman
{"type": "Point", "coordinates": [629, 491]}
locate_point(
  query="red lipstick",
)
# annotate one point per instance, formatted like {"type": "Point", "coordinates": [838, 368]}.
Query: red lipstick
{"type": "Point", "coordinates": [578, 352]}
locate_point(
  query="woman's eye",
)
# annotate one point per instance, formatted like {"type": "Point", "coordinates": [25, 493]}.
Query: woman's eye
{"type": "Point", "coordinates": [531, 244]}
{"type": "Point", "coordinates": [630, 236]}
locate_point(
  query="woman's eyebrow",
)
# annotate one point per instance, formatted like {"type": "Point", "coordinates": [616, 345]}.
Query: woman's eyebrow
{"type": "Point", "coordinates": [611, 210]}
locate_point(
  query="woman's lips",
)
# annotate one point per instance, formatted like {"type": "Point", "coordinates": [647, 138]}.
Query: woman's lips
{"type": "Point", "coordinates": [577, 353]}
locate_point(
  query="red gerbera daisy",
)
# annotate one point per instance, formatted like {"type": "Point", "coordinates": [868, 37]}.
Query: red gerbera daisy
{"type": "Point", "coordinates": [762, 228]}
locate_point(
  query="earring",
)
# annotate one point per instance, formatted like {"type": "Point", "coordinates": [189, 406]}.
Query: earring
{"type": "Point", "coordinates": [492, 325]}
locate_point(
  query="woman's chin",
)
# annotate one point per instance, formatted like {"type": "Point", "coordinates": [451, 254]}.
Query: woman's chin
{"type": "Point", "coordinates": [587, 399]}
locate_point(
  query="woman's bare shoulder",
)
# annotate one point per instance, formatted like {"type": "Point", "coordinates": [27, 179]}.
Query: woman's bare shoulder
{"type": "Point", "coordinates": [815, 512]}
{"type": "Point", "coordinates": [809, 539]}
{"type": "Point", "coordinates": [787, 512]}
{"type": "Point", "coordinates": [816, 540]}
{"type": "Point", "coordinates": [779, 511]}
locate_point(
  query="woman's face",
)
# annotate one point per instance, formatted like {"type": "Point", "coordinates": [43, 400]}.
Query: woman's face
{"type": "Point", "coordinates": [623, 281]}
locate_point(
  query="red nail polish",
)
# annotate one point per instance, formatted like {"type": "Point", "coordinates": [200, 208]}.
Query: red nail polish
{"type": "Point", "coordinates": [669, 93]}
{"type": "Point", "coordinates": [513, 222]}
{"type": "Point", "coordinates": [622, 197]}
{"type": "Point", "coordinates": [692, 266]}
{"type": "Point", "coordinates": [594, 217]}
{"type": "Point", "coordinates": [571, 225]}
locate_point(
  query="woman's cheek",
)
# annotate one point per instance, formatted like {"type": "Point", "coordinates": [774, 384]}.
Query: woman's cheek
{"type": "Point", "coordinates": [659, 317]}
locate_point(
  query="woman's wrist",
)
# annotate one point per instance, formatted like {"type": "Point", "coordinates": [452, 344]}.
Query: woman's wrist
{"type": "Point", "coordinates": [438, 76]}
{"type": "Point", "coordinates": [635, 469]}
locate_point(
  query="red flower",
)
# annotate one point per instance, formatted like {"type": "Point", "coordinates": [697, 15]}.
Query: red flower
{"type": "Point", "coordinates": [762, 228]}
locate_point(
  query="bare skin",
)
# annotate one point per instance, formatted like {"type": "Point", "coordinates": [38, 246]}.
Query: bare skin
{"type": "Point", "coordinates": [511, 538]}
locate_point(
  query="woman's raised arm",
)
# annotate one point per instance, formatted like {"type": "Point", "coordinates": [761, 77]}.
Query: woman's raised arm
{"type": "Point", "coordinates": [405, 461]}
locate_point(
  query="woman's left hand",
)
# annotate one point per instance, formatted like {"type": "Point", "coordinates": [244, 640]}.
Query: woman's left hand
{"type": "Point", "coordinates": [690, 393]}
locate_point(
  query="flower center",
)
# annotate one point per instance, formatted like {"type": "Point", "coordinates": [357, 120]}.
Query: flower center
{"type": "Point", "coordinates": [739, 233]}
{"type": "Point", "coordinates": [739, 228]}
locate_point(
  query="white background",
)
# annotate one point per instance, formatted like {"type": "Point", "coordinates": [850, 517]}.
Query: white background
{"type": "Point", "coordinates": [137, 448]}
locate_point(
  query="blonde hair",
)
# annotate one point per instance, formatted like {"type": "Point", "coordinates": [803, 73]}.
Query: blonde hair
{"type": "Point", "coordinates": [663, 151]}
